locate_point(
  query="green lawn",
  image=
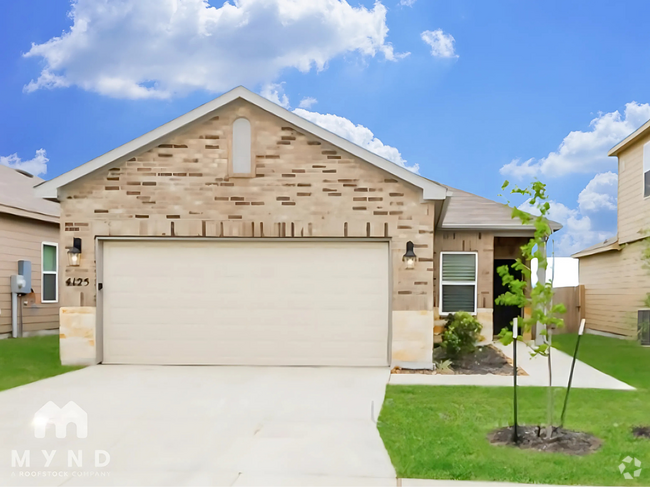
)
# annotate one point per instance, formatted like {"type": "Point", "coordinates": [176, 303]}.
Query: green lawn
{"type": "Point", "coordinates": [25, 360]}
{"type": "Point", "coordinates": [440, 432]}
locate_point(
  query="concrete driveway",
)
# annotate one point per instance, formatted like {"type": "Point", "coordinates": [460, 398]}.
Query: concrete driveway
{"type": "Point", "coordinates": [200, 426]}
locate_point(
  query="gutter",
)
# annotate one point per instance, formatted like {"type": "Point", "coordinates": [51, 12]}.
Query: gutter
{"type": "Point", "coordinates": [487, 226]}
{"type": "Point", "coordinates": [614, 151]}
{"type": "Point", "coordinates": [33, 215]}
{"type": "Point", "coordinates": [600, 250]}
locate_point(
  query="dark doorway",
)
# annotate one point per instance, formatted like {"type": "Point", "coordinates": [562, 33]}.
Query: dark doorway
{"type": "Point", "coordinates": [503, 315]}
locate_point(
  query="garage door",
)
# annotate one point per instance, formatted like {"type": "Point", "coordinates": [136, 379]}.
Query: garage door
{"type": "Point", "coordinates": [246, 303]}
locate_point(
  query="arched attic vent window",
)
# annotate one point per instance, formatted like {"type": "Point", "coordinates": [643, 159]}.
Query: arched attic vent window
{"type": "Point", "coordinates": [241, 147]}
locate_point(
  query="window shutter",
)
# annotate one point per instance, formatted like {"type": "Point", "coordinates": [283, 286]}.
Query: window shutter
{"type": "Point", "coordinates": [458, 267]}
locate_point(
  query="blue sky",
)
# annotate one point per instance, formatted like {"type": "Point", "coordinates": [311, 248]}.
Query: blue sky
{"type": "Point", "coordinates": [466, 90]}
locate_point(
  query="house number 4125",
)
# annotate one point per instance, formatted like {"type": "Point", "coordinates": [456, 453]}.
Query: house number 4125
{"type": "Point", "coordinates": [77, 281]}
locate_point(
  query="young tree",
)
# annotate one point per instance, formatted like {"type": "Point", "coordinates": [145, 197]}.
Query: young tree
{"type": "Point", "coordinates": [540, 297]}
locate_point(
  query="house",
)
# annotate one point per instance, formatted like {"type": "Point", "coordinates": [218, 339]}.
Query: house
{"type": "Point", "coordinates": [241, 233]}
{"type": "Point", "coordinates": [29, 231]}
{"type": "Point", "coordinates": [616, 280]}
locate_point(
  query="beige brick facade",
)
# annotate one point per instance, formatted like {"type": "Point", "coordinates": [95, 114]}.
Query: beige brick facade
{"type": "Point", "coordinates": [302, 187]}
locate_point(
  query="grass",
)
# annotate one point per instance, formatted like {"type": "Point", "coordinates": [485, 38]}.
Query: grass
{"type": "Point", "coordinates": [440, 432]}
{"type": "Point", "coordinates": [25, 360]}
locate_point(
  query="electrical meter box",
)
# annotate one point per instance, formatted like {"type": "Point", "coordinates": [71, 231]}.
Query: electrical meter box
{"type": "Point", "coordinates": [18, 284]}
{"type": "Point", "coordinates": [25, 270]}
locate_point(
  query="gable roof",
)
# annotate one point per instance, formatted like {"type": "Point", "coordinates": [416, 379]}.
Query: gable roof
{"type": "Point", "coordinates": [640, 132]}
{"type": "Point", "coordinates": [17, 196]}
{"type": "Point", "coordinates": [455, 209]}
{"type": "Point", "coordinates": [49, 189]}
{"type": "Point", "coordinates": [470, 211]}
{"type": "Point", "coordinates": [604, 246]}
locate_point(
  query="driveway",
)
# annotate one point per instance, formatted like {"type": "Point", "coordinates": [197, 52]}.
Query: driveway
{"type": "Point", "coordinates": [164, 425]}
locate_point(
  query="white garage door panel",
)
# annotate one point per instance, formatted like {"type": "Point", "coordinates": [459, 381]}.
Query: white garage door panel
{"type": "Point", "coordinates": [257, 303]}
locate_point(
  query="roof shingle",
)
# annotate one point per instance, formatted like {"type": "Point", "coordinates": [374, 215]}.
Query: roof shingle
{"type": "Point", "coordinates": [17, 193]}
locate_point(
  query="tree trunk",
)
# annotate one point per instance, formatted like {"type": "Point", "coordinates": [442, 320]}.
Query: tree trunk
{"type": "Point", "coordinates": [549, 342]}
{"type": "Point", "coordinates": [541, 277]}
{"type": "Point", "coordinates": [549, 397]}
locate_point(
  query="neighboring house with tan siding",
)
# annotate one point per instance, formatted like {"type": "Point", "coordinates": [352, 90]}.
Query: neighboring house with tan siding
{"type": "Point", "coordinates": [29, 230]}
{"type": "Point", "coordinates": [241, 233]}
{"type": "Point", "coordinates": [615, 279]}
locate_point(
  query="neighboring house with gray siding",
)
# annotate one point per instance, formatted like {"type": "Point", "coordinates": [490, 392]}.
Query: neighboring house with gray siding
{"type": "Point", "coordinates": [241, 233]}
{"type": "Point", "coordinates": [29, 230]}
{"type": "Point", "coordinates": [615, 278]}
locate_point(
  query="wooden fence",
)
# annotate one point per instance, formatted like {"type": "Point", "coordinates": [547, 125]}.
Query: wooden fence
{"type": "Point", "coordinates": [574, 299]}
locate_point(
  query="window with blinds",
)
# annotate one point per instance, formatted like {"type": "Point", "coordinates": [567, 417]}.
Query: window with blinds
{"type": "Point", "coordinates": [458, 282]}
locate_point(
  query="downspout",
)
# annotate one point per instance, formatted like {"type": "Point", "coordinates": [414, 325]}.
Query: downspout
{"type": "Point", "coordinates": [14, 315]}
{"type": "Point", "coordinates": [18, 284]}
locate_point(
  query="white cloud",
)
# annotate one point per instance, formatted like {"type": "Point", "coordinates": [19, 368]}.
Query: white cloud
{"type": "Point", "coordinates": [528, 169]}
{"type": "Point", "coordinates": [584, 152]}
{"type": "Point", "coordinates": [35, 166]}
{"type": "Point", "coordinates": [407, 3]}
{"type": "Point", "coordinates": [275, 93]}
{"type": "Point", "coordinates": [600, 193]}
{"type": "Point", "coordinates": [593, 221]}
{"type": "Point", "coordinates": [578, 230]}
{"type": "Point", "coordinates": [594, 217]}
{"type": "Point", "coordinates": [341, 126]}
{"type": "Point", "coordinates": [442, 45]}
{"type": "Point", "coordinates": [358, 134]}
{"type": "Point", "coordinates": [161, 48]}
{"type": "Point", "coordinates": [307, 102]}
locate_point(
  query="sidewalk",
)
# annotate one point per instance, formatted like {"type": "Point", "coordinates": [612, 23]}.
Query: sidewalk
{"type": "Point", "coordinates": [585, 376]}
{"type": "Point", "coordinates": [327, 481]}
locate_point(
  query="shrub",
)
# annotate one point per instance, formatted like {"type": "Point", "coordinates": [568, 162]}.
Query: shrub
{"type": "Point", "coordinates": [461, 334]}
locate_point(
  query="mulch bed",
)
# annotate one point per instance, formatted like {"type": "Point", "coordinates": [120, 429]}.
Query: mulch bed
{"type": "Point", "coordinates": [534, 438]}
{"type": "Point", "coordinates": [486, 360]}
{"type": "Point", "coordinates": [641, 431]}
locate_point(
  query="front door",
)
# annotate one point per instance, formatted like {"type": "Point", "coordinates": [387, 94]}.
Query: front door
{"type": "Point", "coordinates": [503, 315]}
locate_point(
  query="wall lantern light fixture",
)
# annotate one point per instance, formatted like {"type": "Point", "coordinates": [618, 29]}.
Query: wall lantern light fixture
{"type": "Point", "coordinates": [74, 253]}
{"type": "Point", "coordinates": [409, 257]}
